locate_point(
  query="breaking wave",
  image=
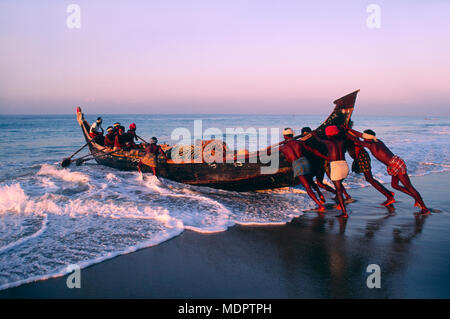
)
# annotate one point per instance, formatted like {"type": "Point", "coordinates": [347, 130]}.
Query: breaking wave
{"type": "Point", "coordinates": [85, 215]}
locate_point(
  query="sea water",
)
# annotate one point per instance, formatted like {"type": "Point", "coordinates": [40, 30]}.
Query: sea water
{"type": "Point", "coordinates": [52, 217]}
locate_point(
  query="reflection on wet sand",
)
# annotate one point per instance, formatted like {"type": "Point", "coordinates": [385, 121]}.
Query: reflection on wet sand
{"type": "Point", "coordinates": [333, 253]}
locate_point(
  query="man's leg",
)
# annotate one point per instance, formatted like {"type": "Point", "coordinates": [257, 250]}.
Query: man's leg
{"type": "Point", "coordinates": [311, 194]}
{"type": "Point", "coordinates": [338, 185]}
{"type": "Point", "coordinates": [319, 178]}
{"type": "Point", "coordinates": [395, 185]}
{"type": "Point", "coordinates": [404, 178]}
{"type": "Point", "coordinates": [316, 188]}
{"type": "Point", "coordinates": [379, 187]}
{"type": "Point", "coordinates": [344, 191]}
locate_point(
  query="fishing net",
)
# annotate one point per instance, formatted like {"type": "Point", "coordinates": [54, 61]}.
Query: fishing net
{"type": "Point", "coordinates": [209, 151]}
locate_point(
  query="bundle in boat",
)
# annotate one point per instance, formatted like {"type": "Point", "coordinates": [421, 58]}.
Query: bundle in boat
{"type": "Point", "coordinates": [208, 151]}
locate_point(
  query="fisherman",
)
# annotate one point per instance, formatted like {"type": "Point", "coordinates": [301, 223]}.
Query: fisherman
{"type": "Point", "coordinates": [132, 131]}
{"type": "Point", "coordinates": [317, 164]}
{"type": "Point", "coordinates": [338, 166]}
{"type": "Point", "coordinates": [131, 136]}
{"type": "Point", "coordinates": [109, 137]}
{"type": "Point", "coordinates": [396, 166]}
{"type": "Point", "coordinates": [362, 164]}
{"type": "Point", "coordinates": [293, 152]}
{"type": "Point", "coordinates": [96, 131]}
{"type": "Point", "coordinates": [116, 127]}
{"type": "Point", "coordinates": [152, 151]}
{"type": "Point", "coordinates": [120, 139]}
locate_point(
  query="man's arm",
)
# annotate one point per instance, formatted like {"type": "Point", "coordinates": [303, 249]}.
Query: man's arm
{"type": "Point", "coordinates": [315, 152]}
{"type": "Point", "coordinates": [314, 134]}
{"type": "Point", "coordinates": [357, 140]}
{"type": "Point", "coordinates": [354, 133]}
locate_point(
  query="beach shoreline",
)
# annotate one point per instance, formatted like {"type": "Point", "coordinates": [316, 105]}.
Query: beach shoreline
{"type": "Point", "coordinates": [312, 256]}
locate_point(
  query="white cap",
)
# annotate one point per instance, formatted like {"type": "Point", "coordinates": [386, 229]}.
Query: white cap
{"type": "Point", "coordinates": [288, 131]}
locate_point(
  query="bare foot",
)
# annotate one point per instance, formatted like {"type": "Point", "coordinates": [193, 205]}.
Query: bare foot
{"type": "Point", "coordinates": [320, 208]}
{"type": "Point", "coordinates": [425, 211]}
{"type": "Point", "coordinates": [388, 201]}
{"type": "Point", "coordinates": [342, 215]}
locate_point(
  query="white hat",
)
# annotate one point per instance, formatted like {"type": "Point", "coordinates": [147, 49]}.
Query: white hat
{"type": "Point", "coordinates": [288, 131]}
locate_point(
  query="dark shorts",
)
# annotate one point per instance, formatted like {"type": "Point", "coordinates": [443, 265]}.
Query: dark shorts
{"type": "Point", "coordinates": [300, 167]}
{"type": "Point", "coordinates": [362, 163]}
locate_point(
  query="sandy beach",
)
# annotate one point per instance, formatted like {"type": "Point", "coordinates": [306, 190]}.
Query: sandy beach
{"type": "Point", "coordinates": [314, 256]}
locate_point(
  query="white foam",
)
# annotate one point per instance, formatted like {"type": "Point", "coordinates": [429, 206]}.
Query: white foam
{"type": "Point", "coordinates": [110, 177]}
{"type": "Point", "coordinates": [64, 174]}
{"type": "Point", "coordinates": [27, 238]}
{"type": "Point", "coordinates": [63, 271]}
{"type": "Point", "coordinates": [47, 183]}
{"type": "Point", "coordinates": [12, 198]}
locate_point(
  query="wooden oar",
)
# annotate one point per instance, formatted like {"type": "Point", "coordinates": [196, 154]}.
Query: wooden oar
{"type": "Point", "coordinates": [66, 162]}
{"type": "Point", "coordinates": [81, 160]}
{"type": "Point", "coordinates": [141, 139]}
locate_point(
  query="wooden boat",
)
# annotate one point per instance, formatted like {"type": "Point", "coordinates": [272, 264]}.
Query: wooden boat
{"type": "Point", "coordinates": [237, 176]}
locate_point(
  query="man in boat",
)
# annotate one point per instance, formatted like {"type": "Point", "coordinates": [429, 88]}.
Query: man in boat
{"type": "Point", "coordinates": [317, 164]}
{"type": "Point", "coordinates": [109, 137]}
{"type": "Point", "coordinates": [361, 164]}
{"type": "Point", "coordinates": [116, 127]}
{"type": "Point", "coordinates": [152, 151]}
{"type": "Point", "coordinates": [131, 136]}
{"type": "Point", "coordinates": [396, 167]}
{"type": "Point", "coordinates": [338, 166]}
{"type": "Point", "coordinates": [120, 140]}
{"type": "Point", "coordinates": [293, 152]}
{"type": "Point", "coordinates": [96, 131]}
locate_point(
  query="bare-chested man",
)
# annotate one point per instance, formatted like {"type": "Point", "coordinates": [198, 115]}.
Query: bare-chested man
{"type": "Point", "coordinates": [293, 152]}
{"type": "Point", "coordinates": [396, 167]}
{"type": "Point", "coordinates": [338, 166]}
{"type": "Point", "coordinates": [317, 164]}
{"type": "Point", "coordinates": [361, 164]}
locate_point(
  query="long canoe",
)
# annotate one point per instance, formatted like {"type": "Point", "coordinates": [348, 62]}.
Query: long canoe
{"type": "Point", "coordinates": [238, 175]}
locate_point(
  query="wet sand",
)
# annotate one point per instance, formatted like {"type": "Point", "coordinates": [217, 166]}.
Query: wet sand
{"type": "Point", "coordinates": [314, 256]}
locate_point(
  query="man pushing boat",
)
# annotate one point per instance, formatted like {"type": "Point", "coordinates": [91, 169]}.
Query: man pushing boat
{"type": "Point", "coordinates": [293, 152]}
{"type": "Point", "coordinates": [317, 164]}
{"type": "Point", "coordinates": [362, 164]}
{"type": "Point", "coordinates": [396, 166]}
{"type": "Point", "coordinates": [338, 166]}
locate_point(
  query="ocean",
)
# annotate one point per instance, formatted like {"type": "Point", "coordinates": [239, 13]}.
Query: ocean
{"type": "Point", "coordinates": [52, 217]}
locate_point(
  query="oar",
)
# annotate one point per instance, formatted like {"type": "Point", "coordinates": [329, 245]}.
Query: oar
{"type": "Point", "coordinates": [141, 139]}
{"type": "Point", "coordinates": [81, 160]}
{"type": "Point", "coordinates": [66, 162]}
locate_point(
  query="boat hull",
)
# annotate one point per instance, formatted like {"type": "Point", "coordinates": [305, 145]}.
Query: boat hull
{"type": "Point", "coordinates": [229, 176]}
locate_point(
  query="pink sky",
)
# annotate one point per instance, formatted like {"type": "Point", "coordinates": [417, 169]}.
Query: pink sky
{"type": "Point", "coordinates": [224, 57]}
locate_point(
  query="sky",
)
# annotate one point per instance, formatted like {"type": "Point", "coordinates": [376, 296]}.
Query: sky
{"type": "Point", "coordinates": [233, 56]}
